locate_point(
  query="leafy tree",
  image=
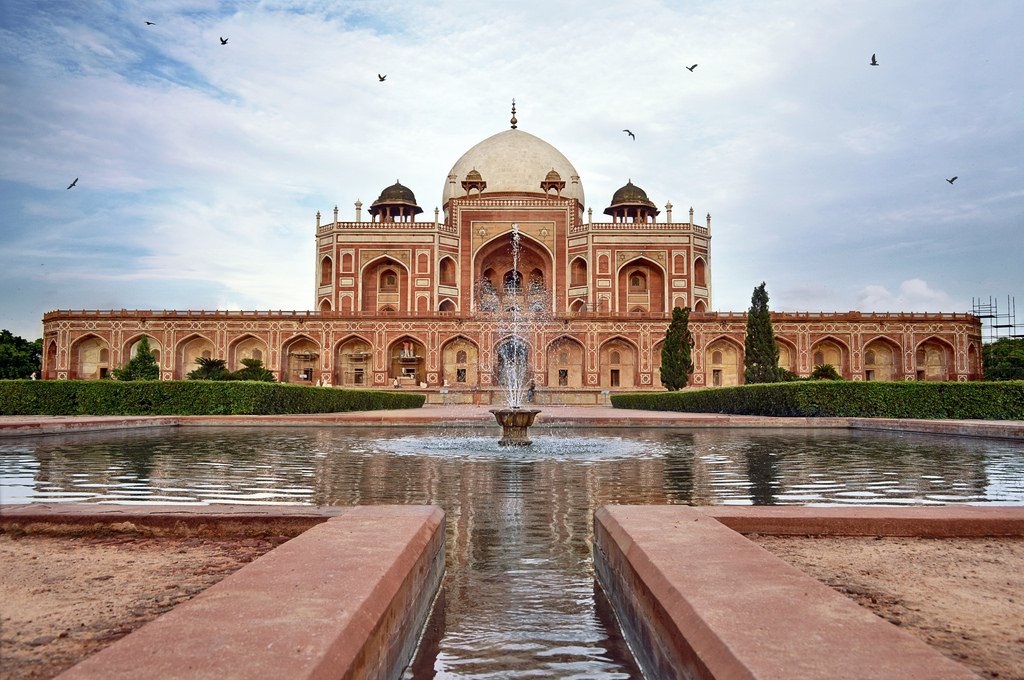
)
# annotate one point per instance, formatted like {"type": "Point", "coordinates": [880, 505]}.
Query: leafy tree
{"type": "Point", "coordinates": [254, 370]}
{"type": "Point", "coordinates": [825, 372]}
{"type": "Point", "coordinates": [1004, 359]}
{"type": "Point", "coordinates": [19, 358]}
{"type": "Point", "coordinates": [676, 353]}
{"type": "Point", "coordinates": [760, 353]}
{"type": "Point", "coordinates": [210, 369]}
{"type": "Point", "coordinates": [142, 366]}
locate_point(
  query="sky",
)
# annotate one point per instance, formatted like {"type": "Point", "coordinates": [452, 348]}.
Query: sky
{"type": "Point", "coordinates": [201, 166]}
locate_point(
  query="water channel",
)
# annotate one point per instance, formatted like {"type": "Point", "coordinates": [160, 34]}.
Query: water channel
{"type": "Point", "coordinates": [519, 597]}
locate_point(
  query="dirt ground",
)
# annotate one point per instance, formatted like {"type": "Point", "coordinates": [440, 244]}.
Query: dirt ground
{"type": "Point", "coordinates": [965, 597]}
{"type": "Point", "coordinates": [64, 598]}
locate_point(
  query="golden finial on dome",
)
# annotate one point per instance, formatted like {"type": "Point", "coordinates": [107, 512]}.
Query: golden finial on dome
{"type": "Point", "coordinates": [514, 121]}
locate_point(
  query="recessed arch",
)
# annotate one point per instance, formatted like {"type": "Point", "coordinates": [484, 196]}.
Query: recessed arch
{"type": "Point", "coordinates": [325, 305]}
{"type": "Point", "coordinates": [933, 359]}
{"type": "Point", "coordinates": [446, 270]}
{"type": "Point", "coordinates": [300, 360]}
{"type": "Point", "coordinates": [882, 359]}
{"type": "Point", "coordinates": [188, 350]}
{"type": "Point", "coordinates": [407, 360]}
{"type": "Point", "coordinates": [641, 286]}
{"type": "Point", "coordinates": [447, 306]}
{"type": "Point", "coordinates": [578, 272]}
{"type": "Point", "coordinates": [700, 272]}
{"type": "Point", "coordinates": [832, 351]}
{"type": "Point", "coordinates": [460, 359]}
{"type": "Point", "coordinates": [700, 307]}
{"type": "Point", "coordinates": [723, 362]}
{"type": "Point", "coordinates": [50, 361]}
{"type": "Point", "coordinates": [247, 346]}
{"type": "Point", "coordinates": [787, 354]}
{"type": "Point", "coordinates": [384, 283]}
{"type": "Point", "coordinates": [129, 347]}
{"type": "Point", "coordinates": [618, 357]}
{"type": "Point", "coordinates": [353, 361]}
{"type": "Point", "coordinates": [565, 360]}
{"type": "Point", "coordinates": [326, 270]}
{"type": "Point", "coordinates": [90, 358]}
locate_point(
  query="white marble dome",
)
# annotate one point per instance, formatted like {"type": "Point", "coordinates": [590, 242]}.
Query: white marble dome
{"type": "Point", "coordinates": [513, 161]}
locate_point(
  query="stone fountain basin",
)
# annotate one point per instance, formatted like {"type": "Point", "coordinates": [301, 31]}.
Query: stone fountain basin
{"type": "Point", "coordinates": [514, 425]}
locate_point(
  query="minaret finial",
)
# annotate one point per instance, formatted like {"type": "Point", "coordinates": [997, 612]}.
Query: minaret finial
{"type": "Point", "coordinates": [514, 121]}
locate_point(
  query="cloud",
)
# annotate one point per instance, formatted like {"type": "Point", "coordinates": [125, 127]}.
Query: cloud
{"type": "Point", "coordinates": [914, 295]}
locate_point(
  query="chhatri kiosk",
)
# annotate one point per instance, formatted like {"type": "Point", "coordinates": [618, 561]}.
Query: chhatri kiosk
{"type": "Point", "coordinates": [419, 301]}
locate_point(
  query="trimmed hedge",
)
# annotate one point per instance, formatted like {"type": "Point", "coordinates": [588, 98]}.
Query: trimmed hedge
{"type": "Point", "coordinates": [187, 398]}
{"type": "Point", "coordinates": [826, 398]}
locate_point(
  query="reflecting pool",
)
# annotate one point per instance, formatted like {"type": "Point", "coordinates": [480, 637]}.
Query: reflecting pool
{"type": "Point", "coordinates": [519, 595]}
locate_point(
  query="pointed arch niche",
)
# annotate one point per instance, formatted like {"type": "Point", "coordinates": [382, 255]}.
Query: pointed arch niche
{"type": "Point", "coordinates": [565, 363]}
{"type": "Point", "coordinates": [353, 361]}
{"type": "Point", "coordinates": [461, 362]}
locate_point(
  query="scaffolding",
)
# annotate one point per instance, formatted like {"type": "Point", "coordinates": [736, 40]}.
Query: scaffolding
{"type": "Point", "coordinates": [996, 325]}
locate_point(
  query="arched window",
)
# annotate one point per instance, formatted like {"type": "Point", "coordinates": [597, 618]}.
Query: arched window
{"type": "Point", "coordinates": [389, 281]}
{"type": "Point", "coordinates": [257, 354]}
{"type": "Point", "coordinates": [422, 263]}
{"type": "Point", "coordinates": [513, 282]}
{"type": "Point", "coordinates": [613, 357]}
{"type": "Point", "coordinates": [716, 357]}
{"type": "Point", "coordinates": [447, 271]}
{"type": "Point", "coordinates": [679, 264]}
{"type": "Point", "coordinates": [578, 272]}
{"type": "Point", "coordinates": [819, 358]}
{"type": "Point", "coordinates": [637, 282]}
{"type": "Point", "coordinates": [346, 262]}
{"type": "Point", "coordinates": [447, 306]}
{"type": "Point", "coordinates": [104, 355]}
{"type": "Point", "coordinates": [869, 357]}
{"type": "Point", "coordinates": [207, 354]}
{"type": "Point", "coordinates": [325, 305]}
{"type": "Point", "coordinates": [700, 273]}
{"type": "Point", "coordinates": [602, 264]}
{"type": "Point", "coordinates": [460, 356]}
{"type": "Point", "coordinates": [326, 271]}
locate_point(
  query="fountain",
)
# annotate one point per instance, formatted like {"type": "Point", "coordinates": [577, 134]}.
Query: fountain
{"type": "Point", "coordinates": [516, 312]}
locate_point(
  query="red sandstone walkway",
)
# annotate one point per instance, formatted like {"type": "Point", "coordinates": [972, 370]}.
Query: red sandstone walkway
{"type": "Point", "coordinates": [550, 416]}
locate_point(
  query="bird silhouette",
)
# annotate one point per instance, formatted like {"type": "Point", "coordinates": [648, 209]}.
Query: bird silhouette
{"type": "Point", "coordinates": [874, 62]}
{"type": "Point", "coordinates": [382, 78]}
{"type": "Point", "coordinates": [150, 23]}
{"type": "Point", "coordinates": [953, 179]}
{"type": "Point", "coordinates": [630, 134]}
{"type": "Point", "coordinates": [690, 68]}
{"type": "Point", "coordinates": [223, 41]}
{"type": "Point", "coordinates": [72, 184]}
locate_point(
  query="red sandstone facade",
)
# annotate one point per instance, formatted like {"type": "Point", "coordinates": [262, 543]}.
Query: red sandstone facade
{"type": "Point", "coordinates": [424, 302]}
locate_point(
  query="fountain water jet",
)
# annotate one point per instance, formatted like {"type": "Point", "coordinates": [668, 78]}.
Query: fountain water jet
{"type": "Point", "coordinates": [517, 311]}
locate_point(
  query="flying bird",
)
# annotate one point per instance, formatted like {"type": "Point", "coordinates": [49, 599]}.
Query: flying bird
{"type": "Point", "coordinates": [874, 62]}
{"type": "Point", "coordinates": [223, 41]}
{"type": "Point", "coordinates": [948, 180]}
{"type": "Point", "coordinates": [630, 134]}
{"type": "Point", "coordinates": [382, 78]}
{"type": "Point", "coordinates": [72, 184]}
{"type": "Point", "coordinates": [150, 23]}
{"type": "Point", "coordinates": [690, 68]}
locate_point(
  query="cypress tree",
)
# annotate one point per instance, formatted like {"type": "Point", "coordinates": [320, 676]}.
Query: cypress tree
{"type": "Point", "coordinates": [676, 353]}
{"type": "Point", "coordinates": [142, 366]}
{"type": "Point", "coordinates": [760, 353]}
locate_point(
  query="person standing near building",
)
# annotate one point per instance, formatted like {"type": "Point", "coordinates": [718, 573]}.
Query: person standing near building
{"type": "Point", "coordinates": [531, 391]}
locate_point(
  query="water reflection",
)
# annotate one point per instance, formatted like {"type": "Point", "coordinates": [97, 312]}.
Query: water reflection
{"type": "Point", "coordinates": [519, 590]}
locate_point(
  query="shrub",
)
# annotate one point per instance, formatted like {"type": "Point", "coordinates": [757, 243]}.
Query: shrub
{"type": "Point", "coordinates": [825, 372]}
{"type": "Point", "coordinates": [142, 366]}
{"type": "Point", "coordinates": [188, 397]}
{"type": "Point", "coordinates": [827, 398]}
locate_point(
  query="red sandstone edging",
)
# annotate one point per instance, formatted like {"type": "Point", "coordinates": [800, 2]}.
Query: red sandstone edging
{"type": "Point", "coordinates": [695, 599]}
{"type": "Point", "coordinates": [165, 520]}
{"type": "Point", "coordinates": [947, 521]}
{"type": "Point", "coordinates": [345, 599]}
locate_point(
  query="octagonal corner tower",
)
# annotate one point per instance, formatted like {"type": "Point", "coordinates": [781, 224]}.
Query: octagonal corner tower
{"type": "Point", "coordinates": [513, 162]}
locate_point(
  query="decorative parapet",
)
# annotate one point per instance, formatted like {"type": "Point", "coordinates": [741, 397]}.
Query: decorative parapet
{"type": "Point", "coordinates": [644, 226]}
